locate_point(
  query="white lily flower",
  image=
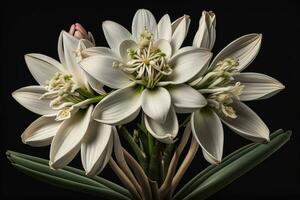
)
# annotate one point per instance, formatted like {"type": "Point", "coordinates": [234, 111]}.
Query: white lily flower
{"type": "Point", "coordinates": [206, 34]}
{"type": "Point", "coordinates": [149, 71]}
{"type": "Point", "coordinates": [64, 99]}
{"type": "Point", "coordinates": [225, 87]}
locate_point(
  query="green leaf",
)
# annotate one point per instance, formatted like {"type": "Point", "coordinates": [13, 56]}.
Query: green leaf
{"type": "Point", "coordinates": [203, 175]}
{"type": "Point", "coordinates": [214, 178]}
{"type": "Point", "coordinates": [68, 177]}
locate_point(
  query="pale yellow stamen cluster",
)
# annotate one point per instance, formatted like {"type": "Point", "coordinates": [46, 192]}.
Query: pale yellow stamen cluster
{"type": "Point", "coordinates": [61, 91]}
{"type": "Point", "coordinates": [221, 75]}
{"type": "Point", "coordinates": [146, 64]}
{"type": "Point", "coordinates": [217, 85]}
{"type": "Point", "coordinates": [221, 100]}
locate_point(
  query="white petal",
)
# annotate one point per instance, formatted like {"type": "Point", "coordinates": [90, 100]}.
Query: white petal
{"type": "Point", "coordinates": [66, 142]}
{"type": "Point", "coordinates": [94, 51]}
{"type": "Point", "coordinates": [95, 146]}
{"type": "Point", "coordinates": [186, 99]}
{"type": "Point", "coordinates": [164, 132]}
{"type": "Point", "coordinates": [175, 24]}
{"type": "Point", "coordinates": [67, 45]}
{"type": "Point", "coordinates": [156, 103]}
{"type": "Point", "coordinates": [29, 97]}
{"type": "Point", "coordinates": [40, 132]}
{"type": "Point", "coordinates": [96, 85]}
{"type": "Point", "coordinates": [164, 46]}
{"type": "Point", "coordinates": [186, 65]}
{"type": "Point", "coordinates": [42, 67]}
{"type": "Point", "coordinates": [115, 34]}
{"type": "Point", "coordinates": [247, 124]}
{"type": "Point", "coordinates": [258, 86]}
{"type": "Point", "coordinates": [143, 19]}
{"type": "Point", "coordinates": [244, 49]}
{"type": "Point", "coordinates": [119, 107]}
{"type": "Point", "coordinates": [179, 32]}
{"type": "Point", "coordinates": [206, 34]}
{"type": "Point", "coordinates": [208, 131]}
{"type": "Point", "coordinates": [101, 68]}
{"type": "Point", "coordinates": [125, 46]}
{"type": "Point", "coordinates": [164, 28]}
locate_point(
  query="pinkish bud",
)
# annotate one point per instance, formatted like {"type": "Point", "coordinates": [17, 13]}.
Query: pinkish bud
{"type": "Point", "coordinates": [79, 32]}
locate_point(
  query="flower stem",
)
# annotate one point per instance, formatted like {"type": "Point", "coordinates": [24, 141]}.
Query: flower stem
{"type": "Point", "coordinates": [140, 174]}
{"type": "Point", "coordinates": [154, 164]}
{"type": "Point", "coordinates": [165, 187]}
{"type": "Point", "coordinates": [166, 158]}
{"type": "Point", "coordinates": [85, 93]}
{"type": "Point", "coordinates": [141, 156]}
{"type": "Point", "coordinates": [124, 179]}
{"type": "Point", "coordinates": [184, 165]}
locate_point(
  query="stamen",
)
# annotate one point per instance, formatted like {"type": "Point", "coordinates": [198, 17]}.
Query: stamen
{"type": "Point", "coordinates": [146, 64]}
{"type": "Point", "coordinates": [64, 114]}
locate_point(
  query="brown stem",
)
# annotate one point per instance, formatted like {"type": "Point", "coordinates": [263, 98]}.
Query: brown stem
{"type": "Point", "coordinates": [165, 187]}
{"type": "Point", "coordinates": [118, 149]}
{"type": "Point", "coordinates": [185, 164]}
{"type": "Point", "coordinates": [155, 191]}
{"type": "Point", "coordinates": [140, 174]}
{"type": "Point", "coordinates": [124, 179]}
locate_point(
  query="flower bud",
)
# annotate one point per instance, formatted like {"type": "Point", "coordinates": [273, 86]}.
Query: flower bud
{"type": "Point", "coordinates": [206, 34]}
{"type": "Point", "coordinates": [79, 32]}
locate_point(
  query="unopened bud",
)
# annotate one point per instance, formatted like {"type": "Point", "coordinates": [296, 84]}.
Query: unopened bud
{"type": "Point", "coordinates": [79, 32]}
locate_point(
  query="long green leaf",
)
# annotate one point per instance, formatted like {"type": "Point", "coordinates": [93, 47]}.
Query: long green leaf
{"type": "Point", "coordinates": [71, 185]}
{"type": "Point", "coordinates": [237, 167]}
{"type": "Point", "coordinates": [204, 174]}
{"type": "Point", "coordinates": [34, 166]}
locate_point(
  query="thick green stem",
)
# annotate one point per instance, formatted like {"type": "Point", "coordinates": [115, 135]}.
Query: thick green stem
{"type": "Point", "coordinates": [141, 156]}
{"type": "Point", "coordinates": [154, 164]}
{"type": "Point", "coordinates": [166, 158]}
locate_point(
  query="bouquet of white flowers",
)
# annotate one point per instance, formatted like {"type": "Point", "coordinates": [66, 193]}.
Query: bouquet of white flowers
{"type": "Point", "coordinates": [137, 88]}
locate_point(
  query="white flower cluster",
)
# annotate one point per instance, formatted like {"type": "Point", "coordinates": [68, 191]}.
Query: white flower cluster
{"type": "Point", "coordinates": [151, 76]}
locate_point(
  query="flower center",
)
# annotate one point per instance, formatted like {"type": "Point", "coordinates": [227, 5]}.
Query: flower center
{"type": "Point", "coordinates": [147, 64]}
{"type": "Point", "coordinates": [217, 85]}
{"type": "Point", "coordinates": [63, 94]}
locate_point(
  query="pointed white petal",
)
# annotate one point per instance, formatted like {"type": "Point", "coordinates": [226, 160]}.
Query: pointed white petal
{"type": "Point", "coordinates": [208, 131]}
{"type": "Point", "coordinates": [156, 103]}
{"type": "Point", "coordinates": [244, 49]}
{"type": "Point", "coordinates": [101, 68]}
{"type": "Point", "coordinates": [186, 99]}
{"type": "Point", "coordinates": [66, 142]}
{"type": "Point", "coordinates": [258, 86]}
{"type": "Point", "coordinates": [115, 34]}
{"type": "Point", "coordinates": [40, 132]}
{"type": "Point", "coordinates": [206, 34]}
{"type": "Point", "coordinates": [164, 46]}
{"type": "Point", "coordinates": [67, 45]}
{"type": "Point", "coordinates": [125, 46]}
{"type": "Point", "coordinates": [95, 146]}
{"type": "Point", "coordinates": [186, 65]}
{"type": "Point", "coordinates": [96, 85]}
{"type": "Point", "coordinates": [42, 67]}
{"type": "Point", "coordinates": [179, 32]}
{"type": "Point", "coordinates": [143, 19]}
{"type": "Point", "coordinates": [164, 28]}
{"type": "Point", "coordinates": [247, 124]}
{"type": "Point", "coordinates": [164, 132]}
{"type": "Point", "coordinates": [29, 97]}
{"type": "Point", "coordinates": [176, 23]}
{"type": "Point", "coordinates": [119, 107]}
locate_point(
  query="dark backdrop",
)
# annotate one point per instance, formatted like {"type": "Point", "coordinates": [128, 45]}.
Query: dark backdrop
{"type": "Point", "coordinates": [35, 28]}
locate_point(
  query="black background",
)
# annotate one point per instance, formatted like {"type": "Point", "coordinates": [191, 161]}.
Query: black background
{"type": "Point", "coordinates": [35, 28]}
